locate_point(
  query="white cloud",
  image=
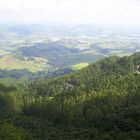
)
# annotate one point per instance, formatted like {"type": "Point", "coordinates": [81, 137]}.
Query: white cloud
{"type": "Point", "coordinates": [71, 11]}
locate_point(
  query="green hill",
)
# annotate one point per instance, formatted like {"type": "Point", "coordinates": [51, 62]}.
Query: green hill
{"type": "Point", "coordinates": [98, 102]}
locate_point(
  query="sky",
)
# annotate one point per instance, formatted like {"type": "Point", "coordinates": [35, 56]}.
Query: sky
{"type": "Point", "coordinates": [117, 12]}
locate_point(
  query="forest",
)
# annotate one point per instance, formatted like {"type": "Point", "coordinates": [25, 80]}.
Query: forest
{"type": "Point", "coordinates": [98, 102]}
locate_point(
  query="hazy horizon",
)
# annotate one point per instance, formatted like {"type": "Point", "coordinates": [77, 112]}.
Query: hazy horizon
{"type": "Point", "coordinates": [71, 12]}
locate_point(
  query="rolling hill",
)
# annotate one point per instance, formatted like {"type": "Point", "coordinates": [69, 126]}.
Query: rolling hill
{"type": "Point", "coordinates": [39, 48]}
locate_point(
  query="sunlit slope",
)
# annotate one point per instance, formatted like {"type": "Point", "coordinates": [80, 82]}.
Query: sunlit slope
{"type": "Point", "coordinates": [10, 62]}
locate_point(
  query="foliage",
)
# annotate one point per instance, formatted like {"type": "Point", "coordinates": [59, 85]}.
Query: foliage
{"type": "Point", "coordinates": [99, 102]}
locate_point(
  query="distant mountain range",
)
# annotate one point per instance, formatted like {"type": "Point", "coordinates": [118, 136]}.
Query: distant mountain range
{"type": "Point", "coordinates": [46, 49]}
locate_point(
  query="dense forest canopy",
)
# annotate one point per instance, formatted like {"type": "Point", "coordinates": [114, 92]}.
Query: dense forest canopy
{"type": "Point", "coordinates": [99, 102]}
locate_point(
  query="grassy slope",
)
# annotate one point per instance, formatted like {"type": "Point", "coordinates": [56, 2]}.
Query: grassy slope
{"type": "Point", "coordinates": [10, 62]}
{"type": "Point", "coordinates": [79, 66]}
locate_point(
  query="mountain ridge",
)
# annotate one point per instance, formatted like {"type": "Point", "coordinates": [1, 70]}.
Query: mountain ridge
{"type": "Point", "coordinates": [98, 102]}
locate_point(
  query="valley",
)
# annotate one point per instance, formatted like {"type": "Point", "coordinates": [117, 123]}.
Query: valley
{"type": "Point", "coordinates": [69, 69]}
{"type": "Point", "coordinates": [46, 49]}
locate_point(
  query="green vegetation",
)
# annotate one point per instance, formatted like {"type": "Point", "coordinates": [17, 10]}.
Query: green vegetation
{"type": "Point", "coordinates": [10, 62]}
{"type": "Point", "coordinates": [99, 102]}
{"type": "Point", "coordinates": [79, 66]}
{"type": "Point", "coordinates": [47, 49]}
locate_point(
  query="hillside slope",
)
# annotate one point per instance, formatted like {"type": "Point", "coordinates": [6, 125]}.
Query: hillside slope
{"type": "Point", "coordinates": [99, 102]}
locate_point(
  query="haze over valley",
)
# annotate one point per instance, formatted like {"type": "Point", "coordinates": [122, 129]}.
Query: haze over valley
{"type": "Point", "coordinates": [47, 49]}
{"type": "Point", "coordinates": [69, 70]}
